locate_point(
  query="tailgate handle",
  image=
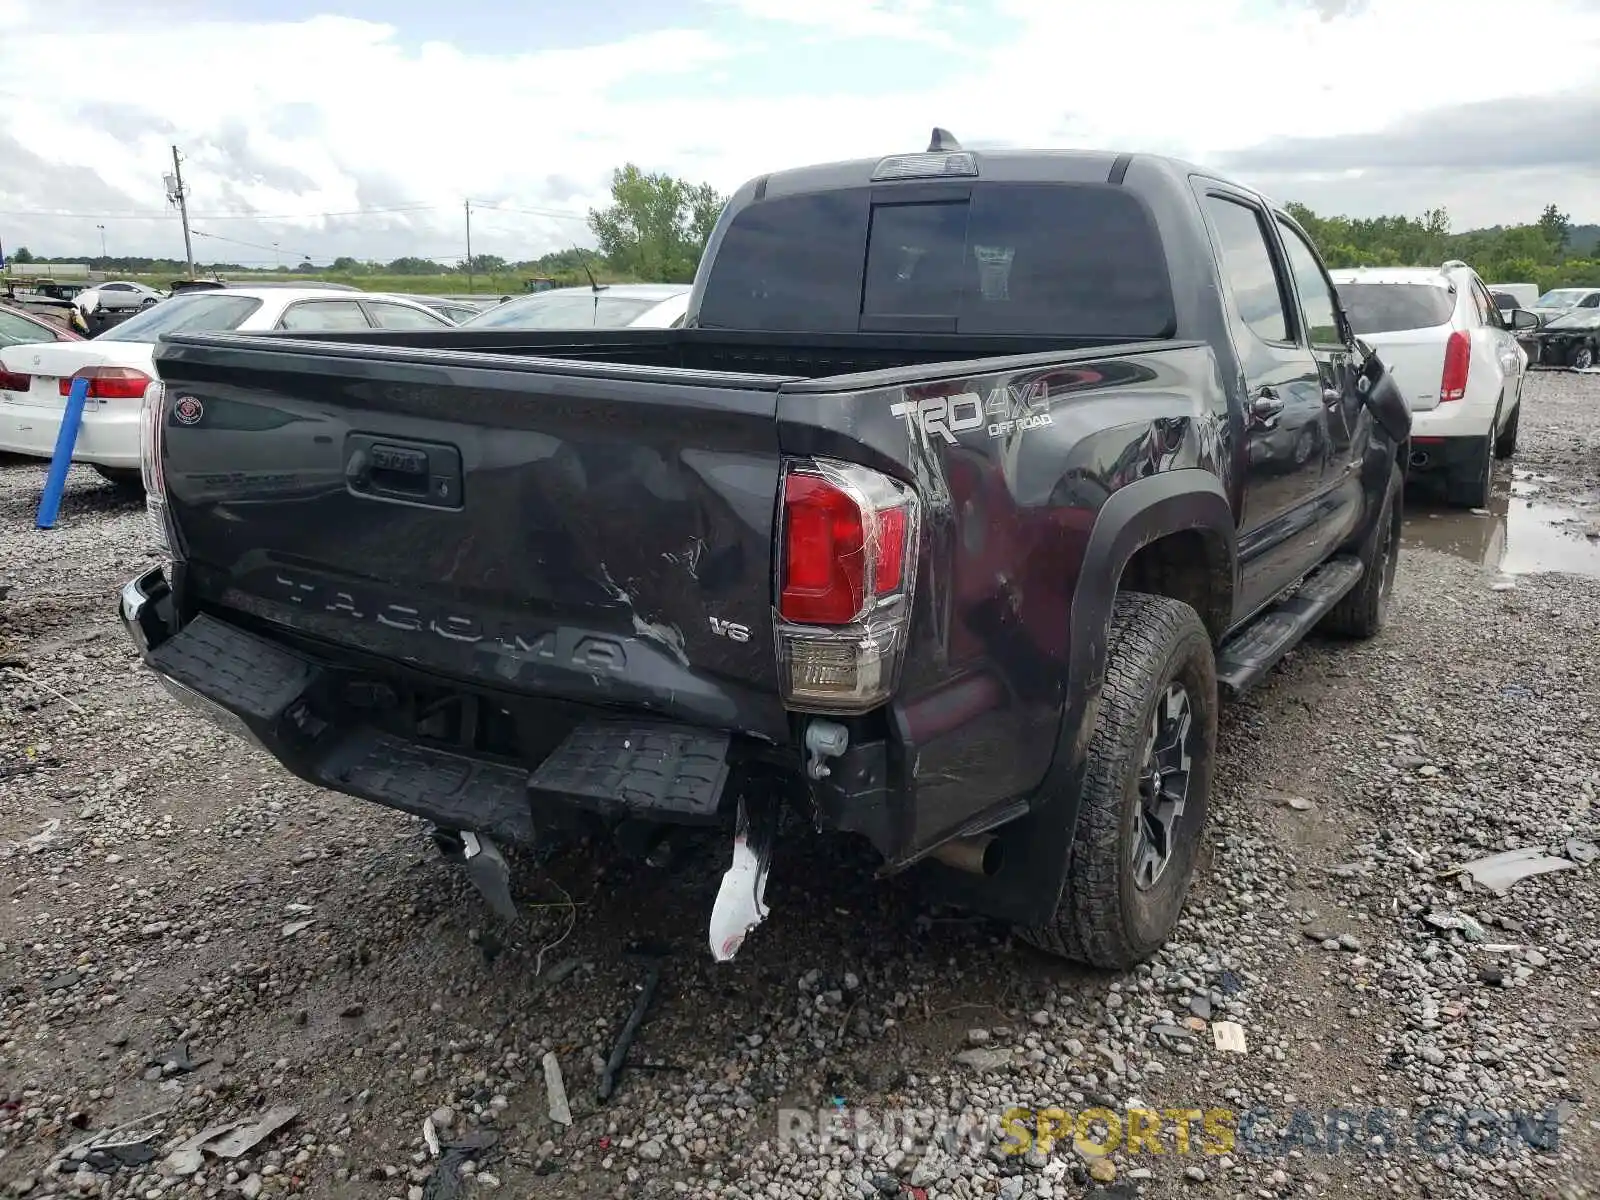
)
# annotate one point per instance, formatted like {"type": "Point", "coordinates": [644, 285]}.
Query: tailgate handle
{"type": "Point", "coordinates": [418, 472]}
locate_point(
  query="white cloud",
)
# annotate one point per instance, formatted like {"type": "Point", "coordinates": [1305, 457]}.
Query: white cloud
{"type": "Point", "coordinates": [333, 115]}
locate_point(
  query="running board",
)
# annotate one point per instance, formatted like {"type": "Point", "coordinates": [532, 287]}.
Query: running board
{"type": "Point", "coordinates": [1247, 656]}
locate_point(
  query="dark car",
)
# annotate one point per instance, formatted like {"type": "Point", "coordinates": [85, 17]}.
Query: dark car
{"type": "Point", "coordinates": [1571, 340]}
{"type": "Point", "coordinates": [938, 523]}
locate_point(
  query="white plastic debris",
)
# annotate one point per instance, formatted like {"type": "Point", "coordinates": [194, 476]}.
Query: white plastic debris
{"type": "Point", "coordinates": [555, 1089]}
{"type": "Point", "coordinates": [741, 902]}
{"type": "Point", "coordinates": [1501, 872]}
{"type": "Point", "coordinates": [1229, 1036]}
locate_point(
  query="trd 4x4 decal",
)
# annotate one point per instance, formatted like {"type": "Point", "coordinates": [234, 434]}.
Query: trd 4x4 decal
{"type": "Point", "coordinates": [1005, 410]}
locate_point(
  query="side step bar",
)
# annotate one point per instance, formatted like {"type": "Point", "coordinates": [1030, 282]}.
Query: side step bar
{"type": "Point", "coordinates": [1247, 656]}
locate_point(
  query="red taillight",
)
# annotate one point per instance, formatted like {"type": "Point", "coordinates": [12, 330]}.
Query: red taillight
{"type": "Point", "coordinates": [111, 383]}
{"type": "Point", "coordinates": [824, 560]}
{"type": "Point", "coordinates": [847, 561]}
{"type": "Point", "coordinates": [1457, 360]}
{"type": "Point", "coordinates": [12, 381]}
{"type": "Point", "coordinates": [836, 547]}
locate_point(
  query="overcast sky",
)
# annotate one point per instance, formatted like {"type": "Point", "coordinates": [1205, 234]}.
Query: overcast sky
{"type": "Point", "coordinates": [328, 127]}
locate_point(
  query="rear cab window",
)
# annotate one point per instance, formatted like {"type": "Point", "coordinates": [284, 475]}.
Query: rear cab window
{"type": "Point", "coordinates": [1044, 259]}
{"type": "Point", "coordinates": [1390, 307]}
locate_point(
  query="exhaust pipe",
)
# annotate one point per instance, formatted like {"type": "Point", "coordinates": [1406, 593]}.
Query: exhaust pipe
{"type": "Point", "coordinates": [979, 855]}
{"type": "Point", "coordinates": [1419, 458]}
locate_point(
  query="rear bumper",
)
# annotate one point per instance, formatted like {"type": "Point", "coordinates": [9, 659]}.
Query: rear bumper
{"type": "Point", "coordinates": [1437, 457]}
{"type": "Point", "coordinates": [299, 710]}
{"type": "Point", "coordinates": [306, 713]}
{"type": "Point", "coordinates": [108, 437]}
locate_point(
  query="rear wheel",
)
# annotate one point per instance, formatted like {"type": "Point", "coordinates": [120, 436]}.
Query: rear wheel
{"type": "Point", "coordinates": [1505, 445]}
{"type": "Point", "coordinates": [1468, 484]}
{"type": "Point", "coordinates": [123, 479]}
{"type": "Point", "coordinates": [1146, 789]}
{"type": "Point", "coordinates": [1363, 611]}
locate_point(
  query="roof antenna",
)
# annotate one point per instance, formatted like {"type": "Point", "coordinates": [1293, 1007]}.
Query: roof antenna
{"type": "Point", "coordinates": [583, 262]}
{"type": "Point", "coordinates": [943, 141]}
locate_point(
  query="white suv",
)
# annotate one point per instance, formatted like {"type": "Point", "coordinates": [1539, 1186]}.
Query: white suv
{"type": "Point", "coordinates": [1454, 356]}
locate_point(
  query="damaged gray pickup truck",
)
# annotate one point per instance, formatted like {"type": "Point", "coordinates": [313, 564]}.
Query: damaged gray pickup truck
{"type": "Point", "coordinates": [970, 483]}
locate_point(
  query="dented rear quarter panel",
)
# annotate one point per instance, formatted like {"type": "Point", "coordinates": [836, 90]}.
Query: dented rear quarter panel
{"type": "Point", "coordinates": [1014, 467]}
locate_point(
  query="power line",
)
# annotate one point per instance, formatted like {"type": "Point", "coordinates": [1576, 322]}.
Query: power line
{"type": "Point", "coordinates": [533, 212]}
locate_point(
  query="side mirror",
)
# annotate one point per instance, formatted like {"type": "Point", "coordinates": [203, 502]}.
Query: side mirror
{"type": "Point", "coordinates": [1521, 318]}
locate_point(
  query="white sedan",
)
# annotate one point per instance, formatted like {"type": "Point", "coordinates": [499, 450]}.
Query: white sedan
{"type": "Point", "coordinates": [120, 363]}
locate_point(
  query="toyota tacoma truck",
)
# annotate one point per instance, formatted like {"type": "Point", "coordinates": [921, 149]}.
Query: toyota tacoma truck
{"type": "Point", "coordinates": [969, 485]}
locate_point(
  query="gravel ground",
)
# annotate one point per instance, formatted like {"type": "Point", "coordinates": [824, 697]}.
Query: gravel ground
{"type": "Point", "coordinates": [188, 932]}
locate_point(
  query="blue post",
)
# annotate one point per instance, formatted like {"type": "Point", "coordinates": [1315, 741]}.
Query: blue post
{"type": "Point", "coordinates": [61, 462]}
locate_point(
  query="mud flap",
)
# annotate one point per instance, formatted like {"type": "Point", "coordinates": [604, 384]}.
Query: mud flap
{"type": "Point", "coordinates": [741, 900]}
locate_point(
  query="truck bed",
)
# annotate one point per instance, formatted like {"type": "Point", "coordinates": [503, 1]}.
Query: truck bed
{"type": "Point", "coordinates": [788, 356]}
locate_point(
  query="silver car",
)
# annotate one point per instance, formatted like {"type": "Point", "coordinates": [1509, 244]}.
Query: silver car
{"type": "Point", "coordinates": [608, 306]}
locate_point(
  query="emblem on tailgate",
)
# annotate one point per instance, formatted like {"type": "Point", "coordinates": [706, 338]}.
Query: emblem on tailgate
{"type": "Point", "coordinates": [188, 410]}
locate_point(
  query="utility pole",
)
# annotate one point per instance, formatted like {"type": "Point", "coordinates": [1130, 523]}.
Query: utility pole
{"type": "Point", "coordinates": [102, 230]}
{"type": "Point", "coordinates": [176, 195]}
{"type": "Point", "coordinates": [469, 247]}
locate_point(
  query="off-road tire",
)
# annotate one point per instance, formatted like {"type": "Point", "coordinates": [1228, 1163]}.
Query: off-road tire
{"type": "Point", "coordinates": [1469, 487]}
{"type": "Point", "coordinates": [1102, 919]}
{"type": "Point", "coordinates": [1365, 608]}
{"type": "Point", "coordinates": [124, 479]}
{"type": "Point", "coordinates": [1505, 445]}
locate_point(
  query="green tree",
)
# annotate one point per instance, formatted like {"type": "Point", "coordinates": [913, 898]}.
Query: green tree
{"type": "Point", "coordinates": [22, 255]}
{"type": "Point", "coordinates": [410, 265]}
{"type": "Point", "coordinates": [345, 265]}
{"type": "Point", "coordinates": [656, 226]}
{"type": "Point", "coordinates": [1556, 226]}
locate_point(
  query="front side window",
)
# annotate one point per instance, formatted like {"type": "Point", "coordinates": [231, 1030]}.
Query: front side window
{"type": "Point", "coordinates": [1316, 293]}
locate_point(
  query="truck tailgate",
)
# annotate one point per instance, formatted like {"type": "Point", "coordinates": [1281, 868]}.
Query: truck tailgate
{"type": "Point", "coordinates": [597, 533]}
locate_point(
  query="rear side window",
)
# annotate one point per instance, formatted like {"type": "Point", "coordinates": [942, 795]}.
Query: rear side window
{"type": "Point", "coordinates": [1387, 307]}
{"type": "Point", "coordinates": [324, 316]}
{"type": "Point", "coordinates": [1248, 269]}
{"type": "Point", "coordinates": [1074, 260]}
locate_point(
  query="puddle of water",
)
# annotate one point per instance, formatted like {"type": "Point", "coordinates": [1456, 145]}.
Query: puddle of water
{"type": "Point", "coordinates": [1515, 535]}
